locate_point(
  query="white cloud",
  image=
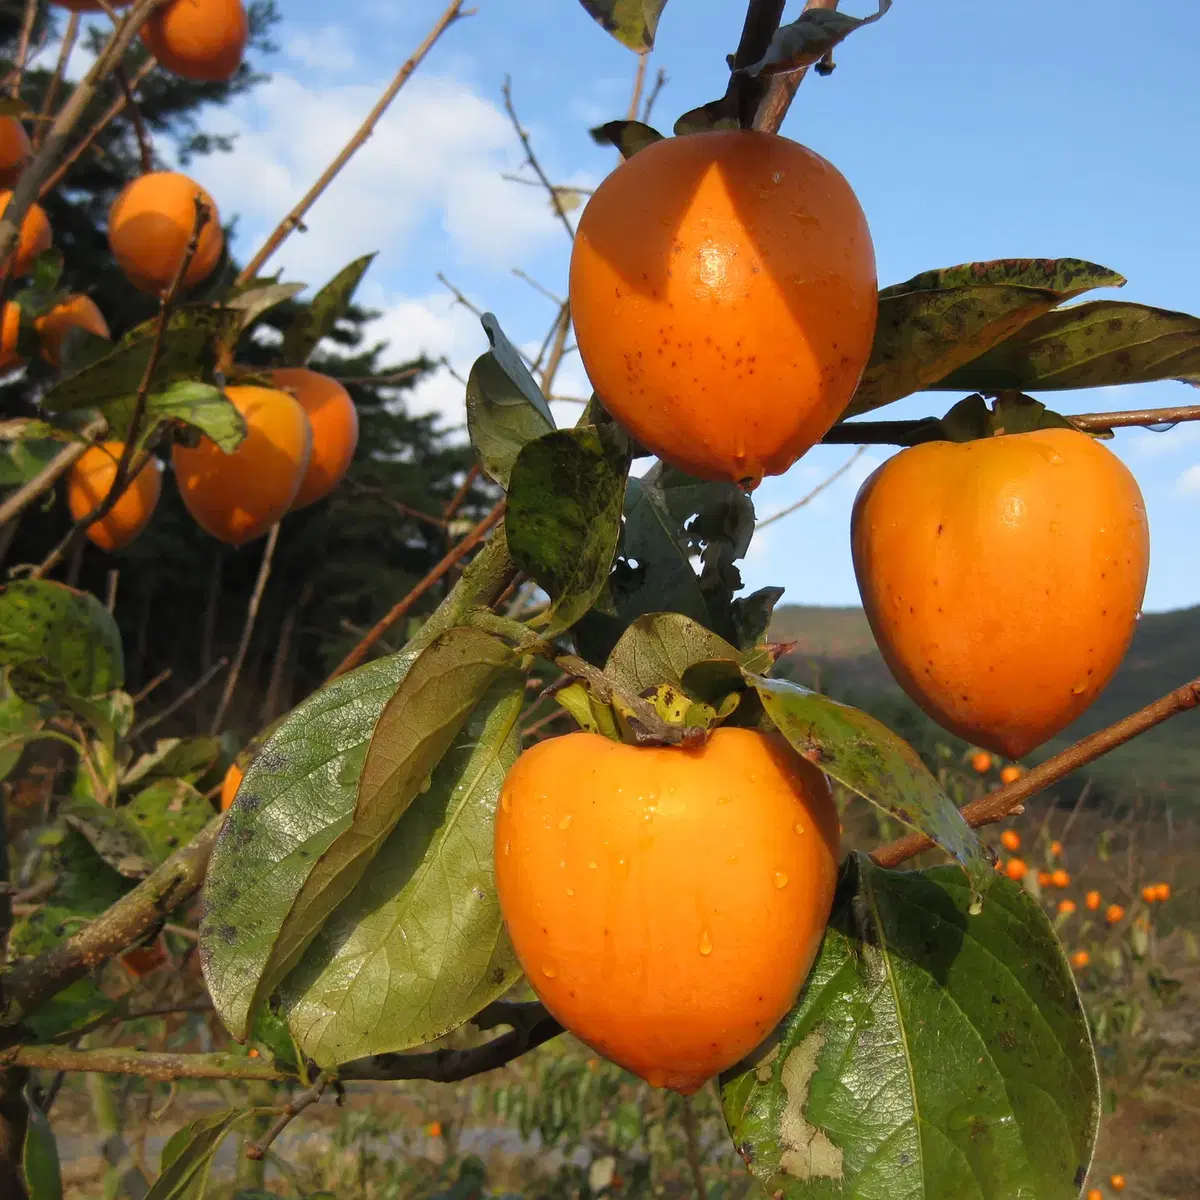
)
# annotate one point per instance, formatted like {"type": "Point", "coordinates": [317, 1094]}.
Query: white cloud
{"type": "Point", "coordinates": [1188, 484]}
{"type": "Point", "coordinates": [328, 49]}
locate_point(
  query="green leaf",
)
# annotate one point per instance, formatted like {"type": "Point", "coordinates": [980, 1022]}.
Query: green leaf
{"type": "Point", "coordinates": [167, 815]}
{"type": "Point", "coordinates": [174, 758]}
{"type": "Point", "coordinates": [55, 636]}
{"type": "Point", "coordinates": [111, 716]}
{"type": "Point", "coordinates": [940, 320]}
{"type": "Point", "coordinates": [868, 758]}
{"type": "Point", "coordinates": [200, 405]}
{"type": "Point", "coordinates": [931, 1053]}
{"type": "Point", "coordinates": [261, 297]}
{"type": "Point", "coordinates": [24, 458]}
{"type": "Point", "coordinates": [1012, 412]}
{"type": "Point", "coordinates": [810, 38]}
{"type": "Point", "coordinates": [415, 729]}
{"type": "Point", "coordinates": [505, 407]}
{"type": "Point", "coordinates": [188, 352]}
{"type": "Point", "coordinates": [111, 836]}
{"type": "Point", "coordinates": [564, 515]}
{"type": "Point", "coordinates": [43, 1175]}
{"type": "Point", "coordinates": [187, 1157]}
{"type": "Point", "coordinates": [18, 721]}
{"type": "Point", "coordinates": [419, 946]}
{"type": "Point", "coordinates": [1102, 343]}
{"type": "Point", "coordinates": [297, 795]}
{"type": "Point", "coordinates": [270, 1030]}
{"type": "Point", "coordinates": [659, 648]}
{"type": "Point", "coordinates": [632, 22]}
{"type": "Point", "coordinates": [628, 136]}
{"type": "Point", "coordinates": [328, 307]}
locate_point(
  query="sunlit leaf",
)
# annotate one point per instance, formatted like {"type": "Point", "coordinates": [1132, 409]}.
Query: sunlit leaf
{"type": "Point", "coordinates": [327, 308]}
{"type": "Point", "coordinates": [632, 22]}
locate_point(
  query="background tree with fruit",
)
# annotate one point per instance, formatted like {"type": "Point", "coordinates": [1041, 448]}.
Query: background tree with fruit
{"type": "Point", "coordinates": [416, 856]}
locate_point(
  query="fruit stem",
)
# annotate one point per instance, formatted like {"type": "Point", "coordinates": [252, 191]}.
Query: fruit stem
{"type": "Point", "coordinates": [782, 88]}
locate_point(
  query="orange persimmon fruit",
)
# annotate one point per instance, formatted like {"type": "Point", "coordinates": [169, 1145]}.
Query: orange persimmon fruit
{"type": "Point", "coordinates": [15, 150]}
{"type": "Point", "coordinates": [1016, 869]}
{"type": "Point", "coordinates": [1117, 1183]}
{"type": "Point", "coordinates": [1066, 907]}
{"type": "Point", "coordinates": [150, 226]}
{"type": "Point", "coordinates": [76, 311]}
{"type": "Point", "coordinates": [35, 236]}
{"type": "Point", "coordinates": [1011, 773]}
{"type": "Point", "coordinates": [334, 421]}
{"type": "Point", "coordinates": [10, 329]}
{"type": "Point", "coordinates": [1080, 958]}
{"type": "Point", "coordinates": [666, 904]}
{"type": "Point", "coordinates": [203, 40]}
{"type": "Point", "coordinates": [238, 496]}
{"type": "Point", "coordinates": [1092, 901]}
{"type": "Point", "coordinates": [1010, 839]}
{"type": "Point", "coordinates": [724, 297]}
{"type": "Point", "coordinates": [981, 762]}
{"type": "Point", "coordinates": [230, 785]}
{"type": "Point", "coordinates": [1002, 578]}
{"type": "Point", "coordinates": [141, 960]}
{"type": "Point", "coordinates": [1163, 892]}
{"type": "Point", "coordinates": [1056, 849]}
{"type": "Point", "coordinates": [1114, 913]}
{"type": "Point", "coordinates": [1060, 878]}
{"type": "Point", "coordinates": [91, 479]}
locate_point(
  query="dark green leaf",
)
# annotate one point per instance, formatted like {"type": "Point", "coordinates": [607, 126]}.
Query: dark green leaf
{"type": "Point", "coordinates": [1102, 343]}
{"type": "Point", "coordinates": [189, 349]}
{"type": "Point", "coordinates": [931, 1053]}
{"type": "Point", "coordinates": [43, 1176]}
{"type": "Point", "coordinates": [940, 320]}
{"type": "Point", "coordinates": [187, 1157]}
{"type": "Point", "coordinates": [200, 405]}
{"type": "Point", "coordinates": [328, 307]}
{"type": "Point", "coordinates": [167, 815]}
{"type": "Point", "coordinates": [809, 38]}
{"type": "Point", "coordinates": [659, 648]}
{"type": "Point", "coordinates": [632, 22]}
{"type": "Point", "coordinates": [55, 636]}
{"type": "Point", "coordinates": [261, 298]}
{"type": "Point", "coordinates": [564, 515]}
{"type": "Point", "coordinates": [24, 458]}
{"type": "Point", "coordinates": [752, 615]}
{"type": "Point", "coordinates": [113, 838]}
{"type": "Point", "coordinates": [42, 292]}
{"type": "Point", "coordinates": [505, 407]}
{"type": "Point", "coordinates": [419, 945]}
{"type": "Point", "coordinates": [413, 732]}
{"type": "Point", "coordinates": [297, 795]}
{"type": "Point", "coordinates": [716, 114]}
{"type": "Point", "coordinates": [868, 758]}
{"type": "Point", "coordinates": [971, 419]}
{"type": "Point", "coordinates": [174, 758]}
{"type": "Point", "coordinates": [111, 716]}
{"type": "Point", "coordinates": [270, 1030]}
{"type": "Point", "coordinates": [628, 136]}
{"type": "Point", "coordinates": [18, 721]}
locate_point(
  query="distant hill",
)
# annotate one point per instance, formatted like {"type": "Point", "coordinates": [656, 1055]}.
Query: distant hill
{"type": "Point", "coordinates": [836, 653]}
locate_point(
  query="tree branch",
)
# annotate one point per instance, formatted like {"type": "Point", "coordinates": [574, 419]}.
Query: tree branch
{"type": "Point", "coordinates": [18, 74]}
{"type": "Point", "coordinates": [454, 12]}
{"type": "Point", "coordinates": [60, 70]}
{"type": "Point", "coordinates": [783, 87]}
{"type": "Point", "coordinates": [1008, 800]}
{"type": "Point", "coordinates": [180, 700]}
{"type": "Point", "coordinates": [291, 1110]}
{"type": "Point", "coordinates": [551, 191]}
{"type": "Point", "coordinates": [49, 475]}
{"type": "Point", "coordinates": [145, 146]}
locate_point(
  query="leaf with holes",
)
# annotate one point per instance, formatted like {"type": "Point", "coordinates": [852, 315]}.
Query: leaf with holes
{"type": "Point", "coordinates": [564, 515]}
{"type": "Point", "coordinates": [868, 758]}
{"type": "Point", "coordinates": [505, 406]}
{"type": "Point", "coordinates": [931, 1053]}
{"type": "Point", "coordinates": [419, 946]}
{"type": "Point", "coordinates": [327, 308]}
{"type": "Point", "coordinates": [940, 320]}
{"type": "Point", "coordinates": [632, 22]}
{"type": "Point", "coordinates": [1103, 343]}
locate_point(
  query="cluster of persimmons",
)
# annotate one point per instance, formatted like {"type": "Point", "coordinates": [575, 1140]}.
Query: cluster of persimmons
{"type": "Point", "coordinates": [666, 903]}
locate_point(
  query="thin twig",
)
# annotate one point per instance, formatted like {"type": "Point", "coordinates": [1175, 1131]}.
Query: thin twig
{"type": "Point", "coordinates": [49, 475]}
{"type": "Point", "coordinates": [1003, 803]}
{"type": "Point", "coordinates": [551, 191]}
{"type": "Point", "coordinates": [660, 81]}
{"type": "Point", "coordinates": [31, 7]}
{"type": "Point", "coordinates": [400, 610]}
{"type": "Point", "coordinates": [157, 681]}
{"type": "Point", "coordinates": [454, 12]}
{"type": "Point", "coordinates": [390, 380]}
{"type": "Point", "coordinates": [180, 700]}
{"type": "Point", "coordinates": [397, 506]}
{"type": "Point", "coordinates": [791, 508]}
{"type": "Point", "coordinates": [110, 597]}
{"type": "Point", "coordinates": [60, 70]}
{"type": "Point", "coordinates": [291, 1110]}
{"type": "Point", "coordinates": [541, 722]}
{"type": "Point", "coordinates": [260, 586]}
{"type": "Point", "coordinates": [533, 283]}
{"type": "Point", "coordinates": [557, 349]}
{"type": "Point", "coordinates": [692, 1135]}
{"type": "Point", "coordinates": [145, 146]}
{"type": "Point", "coordinates": [456, 501]}
{"type": "Point", "coordinates": [783, 87]}
{"type": "Point", "coordinates": [639, 81]}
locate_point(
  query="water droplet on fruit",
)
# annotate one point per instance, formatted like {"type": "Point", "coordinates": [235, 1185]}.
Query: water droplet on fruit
{"type": "Point", "coordinates": [781, 880]}
{"type": "Point", "coordinates": [592, 865]}
{"type": "Point", "coordinates": [506, 802]}
{"type": "Point", "coordinates": [731, 859]}
{"type": "Point", "coordinates": [570, 891]}
{"type": "Point", "coordinates": [705, 943]}
{"type": "Point", "coordinates": [506, 847]}
{"type": "Point", "coordinates": [1055, 527]}
{"type": "Point", "coordinates": [549, 972]}
{"type": "Point", "coordinates": [565, 823]}
{"type": "Point", "coordinates": [722, 799]}
{"type": "Point", "coordinates": [777, 177]}
{"type": "Point", "coordinates": [563, 863]}
{"type": "Point", "coordinates": [1079, 689]}
{"type": "Point", "coordinates": [798, 827]}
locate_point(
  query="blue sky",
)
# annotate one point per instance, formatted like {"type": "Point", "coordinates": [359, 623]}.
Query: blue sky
{"type": "Point", "coordinates": [969, 130]}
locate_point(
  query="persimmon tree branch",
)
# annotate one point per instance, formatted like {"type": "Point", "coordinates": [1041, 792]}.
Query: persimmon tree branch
{"type": "Point", "coordinates": [1008, 800]}
{"type": "Point", "coordinates": [18, 73]}
{"type": "Point", "coordinates": [290, 1111]}
{"type": "Point", "coordinates": [532, 159]}
{"type": "Point", "coordinates": [293, 220]}
{"type": "Point", "coordinates": [60, 70]}
{"type": "Point", "coordinates": [48, 476]}
{"type": "Point", "coordinates": [145, 145]}
{"type": "Point", "coordinates": [783, 87]}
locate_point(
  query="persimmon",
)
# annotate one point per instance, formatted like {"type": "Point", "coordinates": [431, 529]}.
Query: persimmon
{"type": "Point", "coordinates": [724, 297]}
{"type": "Point", "coordinates": [981, 762]}
{"type": "Point", "coordinates": [75, 312]}
{"type": "Point", "coordinates": [334, 421]}
{"type": "Point", "coordinates": [1002, 578]}
{"type": "Point", "coordinates": [1150, 894]}
{"type": "Point", "coordinates": [1067, 907]}
{"type": "Point", "coordinates": [1010, 839]}
{"type": "Point", "coordinates": [10, 329]}
{"type": "Point", "coordinates": [1011, 773]}
{"type": "Point", "coordinates": [238, 496]}
{"type": "Point", "coordinates": [1060, 878]}
{"type": "Point", "coordinates": [150, 226]}
{"type": "Point", "coordinates": [35, 236]}
{"type": "Point", "coordinates": [1092, 901]}
{"type": "Point", "coordinates": [1080, 959]}
{"type": "Point", "coordinates": [142, 960]}
{"type": "Point", "coordinates": [666, 904]}
{"type": "Point", "coordinates": [1117, 1183]}
{"type": "Point", "coordinates": [15, 150]}
{"type": "Point", "coordinates": [230, 785]}
{"type": "Point", "coordinates": [1056, 849]}
{"type": "Point", "coordinates": [1045, 879]}
{"type": "Point", "coordinates": [202, 40]}
{"type": "Point", "coordinates": [1016, 869]}
{"type": "Point", "coordinates": [1114, 913]}
{"type": "Point", "coordinates": [91, 479]}
{"type": "Point", "coordinates": [1095, 1194]}
{"type": "Point", "coordinates": [1164, 892]}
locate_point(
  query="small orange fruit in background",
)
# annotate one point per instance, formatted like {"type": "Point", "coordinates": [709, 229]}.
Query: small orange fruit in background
{"type": "Point", "coordinates": [150, 225]}
{"type": "Point", "coordinates": [981, 762]}
{"type": "Point", "coordinates": [202, 40]}
{"type": "Point", "coordinates": [724, 298]}
{"type": "Point", "coordinates": [1011, 773]}
{"type": "Point", "coordinates": [1150, 893]}
{"type": "Point", "coordinates": [334, 421]}
{"type": "Point", "coordinates": [1066, 907]}
{"type": "Point", "coordinates": [1060, 878]}
{"type": "Point", "coordinates": [1016, 869]}
{"type": "Point", "coordinates": [35, 237]}
{"type": "Point", "coordinates": [237, 497]}
{"type": "Point", "coordinates": [230, 785]}
{"type": "Point", "coordinates": [1092, 900]}
{"type": "Point", "coordinates": [1046, 878]}
{"type": "Point", "coordinates": [1002, 578]}
{"type": "Point", "coordinates": [1056, 849]}
{"type": "Point", "coordinates": [77, 311]}
{"type": "Point", "coordinates": [1114, 913]}
{"type": "Point", "coordinates": [666, 904]}
{"type": "Point", "coordinates": [141, 960]}
{"type": "Point", "coordinates": [90, 5]}
{"type": "Point", "coordinates": [1080, 959]}
{"type": "Point", "coordinates": [15, 150]}
{"type": "Point", "coordinates": [1164, 892]}
{"type": "Point", "coordinates": [10, 329]}
{"type": "Point", "coordinates": [1095, 1194]}
{"type": "Point", "coordinates": [89, 482]}
{"type": "Point", "coordinates": [1010, 839]}
{"type": "Point", "coordinates": [1117, 1183]}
